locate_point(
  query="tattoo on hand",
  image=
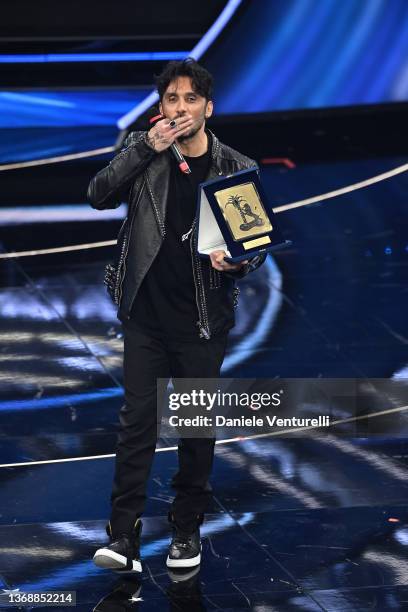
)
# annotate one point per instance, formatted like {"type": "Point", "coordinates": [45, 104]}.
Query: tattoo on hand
{"type": "Point", "coordinates": [156, 139]}
{"type": "Point", "coordinates": [151, 141]}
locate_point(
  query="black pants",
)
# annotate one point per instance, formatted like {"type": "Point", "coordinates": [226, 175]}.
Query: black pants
{"type": "Point", "coordinates": [147, 358]}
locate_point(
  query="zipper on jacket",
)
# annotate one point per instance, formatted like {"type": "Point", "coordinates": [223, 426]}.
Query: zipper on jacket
{"type": "Point", "coordinates": [199, 288]}
{"type": "Point", "coordinates": [203, 324]}
{"type": "Point", "coordinates": [118, 287]}
{"type": "Point", "coordinates": [160, 222]}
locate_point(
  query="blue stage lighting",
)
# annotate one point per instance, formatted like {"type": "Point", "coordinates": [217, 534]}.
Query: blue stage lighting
{"type": "Point", "coordinates": [39, 58]}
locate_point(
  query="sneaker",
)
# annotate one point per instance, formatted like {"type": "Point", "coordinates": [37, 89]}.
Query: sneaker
{"type": "Point", "coordinates": [185, 548]}
{"type": "Point", "coordinates": [122, 554]}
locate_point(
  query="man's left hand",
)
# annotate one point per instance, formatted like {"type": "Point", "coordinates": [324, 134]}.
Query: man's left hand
{"type": "Point", "coordinates": [217, 260]}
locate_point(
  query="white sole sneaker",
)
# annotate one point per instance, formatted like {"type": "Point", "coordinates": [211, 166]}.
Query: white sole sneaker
{"type": "Point", "coordinates": [108, 559]}
{"type": "Point", "coordinates": [184, 562]}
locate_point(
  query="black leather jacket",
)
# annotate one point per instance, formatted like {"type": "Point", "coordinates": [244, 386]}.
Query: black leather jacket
{"type": "Point", "coordinates": [140, 176]}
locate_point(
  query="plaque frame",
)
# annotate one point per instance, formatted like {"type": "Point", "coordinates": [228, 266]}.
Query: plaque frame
{"type": "Point", "coordinates": [219, 226]}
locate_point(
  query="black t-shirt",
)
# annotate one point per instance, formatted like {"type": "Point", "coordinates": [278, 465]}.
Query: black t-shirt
{"type": "Point", "coordinates": [166, 302]}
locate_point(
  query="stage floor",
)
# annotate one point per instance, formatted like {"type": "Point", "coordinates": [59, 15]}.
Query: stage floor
{"type": "Point", "coordinates": [313, 522]}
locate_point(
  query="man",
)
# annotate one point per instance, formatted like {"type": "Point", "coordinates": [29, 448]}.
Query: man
{"type": "Point", "coordinates": [176, 309]}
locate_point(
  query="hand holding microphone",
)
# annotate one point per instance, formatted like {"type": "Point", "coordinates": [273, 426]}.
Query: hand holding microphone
{"type": "Point", "coordinates": [164, 133]}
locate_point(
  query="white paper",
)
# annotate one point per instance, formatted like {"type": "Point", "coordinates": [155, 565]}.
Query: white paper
{"type": "Point", "coordinates": [210, 237]}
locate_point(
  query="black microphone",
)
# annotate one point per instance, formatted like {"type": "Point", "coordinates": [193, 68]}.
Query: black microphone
{"type": "Point", "coordinates": [181, 162]}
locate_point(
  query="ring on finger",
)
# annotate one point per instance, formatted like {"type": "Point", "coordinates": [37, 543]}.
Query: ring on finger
{"type": "Point", "coordinates": [173, 123]}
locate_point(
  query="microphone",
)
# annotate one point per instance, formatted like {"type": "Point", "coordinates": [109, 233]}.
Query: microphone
{"type": "Point", "coordinates": [181, 162]}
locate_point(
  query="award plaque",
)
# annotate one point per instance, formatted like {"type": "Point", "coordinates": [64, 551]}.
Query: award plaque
{"type": "Point", "coordinates": [234, 216]}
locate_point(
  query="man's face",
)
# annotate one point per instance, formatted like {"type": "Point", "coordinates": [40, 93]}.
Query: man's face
{"type": "Point", "coordinates": [180, 99]}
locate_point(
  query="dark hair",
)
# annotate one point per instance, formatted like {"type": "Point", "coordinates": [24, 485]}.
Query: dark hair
{"type": "Point", "coordinates": [201, 79]}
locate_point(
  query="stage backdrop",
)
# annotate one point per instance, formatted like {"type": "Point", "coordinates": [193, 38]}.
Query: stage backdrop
{"type": "Point", "coordinates": [302, 54]}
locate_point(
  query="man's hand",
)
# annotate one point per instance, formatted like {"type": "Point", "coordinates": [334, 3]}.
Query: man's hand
{"type": "Point", "coordinates": [165, 132]}
{"type": "Point", "coordinates": [217, 260]}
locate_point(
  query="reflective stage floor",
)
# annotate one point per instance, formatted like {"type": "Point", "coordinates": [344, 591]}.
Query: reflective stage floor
{"type": "Point", "coordinates": [307, 522]}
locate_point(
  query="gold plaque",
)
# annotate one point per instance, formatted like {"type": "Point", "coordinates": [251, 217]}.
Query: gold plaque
{"type": "Point", "coordinates": [243, 211]}
{"type": "Point", "coordinates": [251, 244]}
